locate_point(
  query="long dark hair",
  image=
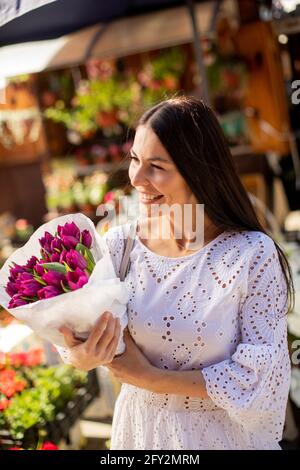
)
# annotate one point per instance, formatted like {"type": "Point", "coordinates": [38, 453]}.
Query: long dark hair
{"type": "Point", "coordinates": [190, 132]}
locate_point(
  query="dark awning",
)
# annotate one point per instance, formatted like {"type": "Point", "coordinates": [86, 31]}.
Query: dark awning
{"type": "Point", "coordinates": [9, 10]}
{"type": "Point", "coordinates": [60, 17]}
{"type": "Point", "coordinates": [151, 31]}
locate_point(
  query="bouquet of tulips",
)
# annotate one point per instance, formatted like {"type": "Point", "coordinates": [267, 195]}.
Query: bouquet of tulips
{"type": "Point", "coordinates": [63, 276]}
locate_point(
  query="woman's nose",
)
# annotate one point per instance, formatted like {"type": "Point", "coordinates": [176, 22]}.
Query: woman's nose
{"type": "Point", "coordinates": [139, 177]}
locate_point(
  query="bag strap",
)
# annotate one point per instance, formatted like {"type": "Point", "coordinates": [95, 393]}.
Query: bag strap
{"type": "Point", "coordinates": [125, 263]}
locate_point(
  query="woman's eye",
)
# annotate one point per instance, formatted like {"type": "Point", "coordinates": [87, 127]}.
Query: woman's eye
{"type": "Point", "coordinates": [133, 158]}
{"type": "Point", "coordinates": [157, 167]}
{"type": "Point", "coordinates": [153, 166]}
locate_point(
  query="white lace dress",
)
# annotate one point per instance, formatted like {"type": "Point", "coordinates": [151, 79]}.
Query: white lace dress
{"type": "Point", "coordinates": [220, 310]}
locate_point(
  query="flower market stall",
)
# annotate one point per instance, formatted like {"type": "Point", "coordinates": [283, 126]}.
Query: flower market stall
{"type": "Point", "coordinates": [39, 403]}
{"type": "Point", "coordinates": [69, 142]}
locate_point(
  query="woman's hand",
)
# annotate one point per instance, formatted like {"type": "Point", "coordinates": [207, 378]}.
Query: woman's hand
{"type": "Point", "coordinates": [132, 367]}
{"type": "Point", "coordinates": [100, 347]}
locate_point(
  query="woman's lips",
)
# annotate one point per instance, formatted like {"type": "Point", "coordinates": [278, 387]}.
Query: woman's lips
{"type": "Point", "coordinates": [149, 198]}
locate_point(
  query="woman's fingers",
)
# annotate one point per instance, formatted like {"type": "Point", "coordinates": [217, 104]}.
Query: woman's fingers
{"type": "Point", "coordinates": [107, 336]}
{"type": "Point", "coordinates": [112, 346]}
{"type": "Point", "coordinates": [98, 330]}
{"type": "Point", "coordinates": [70, 340]}
{"type": "Point", "coordinates": [101, 345]}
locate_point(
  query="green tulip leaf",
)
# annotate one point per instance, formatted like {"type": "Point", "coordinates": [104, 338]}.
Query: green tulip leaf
{"type": "Point", "coordinates": [57, 267]}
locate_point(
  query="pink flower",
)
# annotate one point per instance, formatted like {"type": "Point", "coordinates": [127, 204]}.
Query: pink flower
{"type": "Point", "coordinates": [39, 269]}
{"type": "Point", "coordinates": [114, 149]}
{"type": "Point", "coordinates": [32, 281]}
{"type": "Point", "coordinates": [69, 230]}
{"type": "Point", "coordinates": [28, 287]}
{"type": "Point", "coordinates": [15, 271]}
{"type": "Point", "coordinates": [75, 260]}
{"type": "Point", "coordinates": [45, 255]}
{"type": "Point", "coordinates": [62, 258]}
{"type": "Point", "coordinates": [55, 257]}
{"type": "Point", "coordinates": [16, 301]}
{"type": "Point", "coordinates": [109, 196]}
{"type": "Point", "coordinates": [31, 262]}
{"type": "Point", "coordinates": [46, 241]}
{"type": "Point", "coordinates": [48, 292]}
{"type": "Point", "coordinates": [86, 238]}
{"type": "Point", "coordinates": [69, 242]}
{"type": "Point", "coordinates": [77, 279]}
{"type": "Point", "coordinates": [70, 235]}
{"type": "Point", "coordinates": [56, 245]}
{"type": "Point", "coordinates": [49, 446]}
{"type": "Point", "coordinates": [53, 278]}
{"type": "Point", "coordinates": [22, 277]}
{"type": "Point", "coordinates": [11, 288]}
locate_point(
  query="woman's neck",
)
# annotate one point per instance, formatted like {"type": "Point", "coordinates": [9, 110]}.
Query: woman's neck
{"type": "Point", "coordinates": [187, 236]}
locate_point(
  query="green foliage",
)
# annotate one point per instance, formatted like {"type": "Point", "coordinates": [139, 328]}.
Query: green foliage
{"type": "Point", "coordinates": [123, 95]}
{"type": "Point", "coordinates": [28, 409]}
{"type": "Point", "coordinates": [170, 63]}
{"type": "Point", "coordinates": [93, 97]}
{"type": "Point", "coordinates": [52, 388]}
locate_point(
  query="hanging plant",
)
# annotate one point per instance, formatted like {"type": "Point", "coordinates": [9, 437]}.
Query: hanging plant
{"type": "Point", "coordinates": [113, 102]}
{"type": "Point", "coordinates": [95, 105]}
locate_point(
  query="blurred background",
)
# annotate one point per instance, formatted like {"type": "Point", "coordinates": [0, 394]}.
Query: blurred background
{"type": "Point", "coordinates": [74, 77]}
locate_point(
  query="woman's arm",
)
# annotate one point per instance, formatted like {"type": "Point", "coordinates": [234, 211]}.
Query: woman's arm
{"type": "Point", "coordinates": [133, 368]}
{"type": "Point", "coordinates": [189, 383]}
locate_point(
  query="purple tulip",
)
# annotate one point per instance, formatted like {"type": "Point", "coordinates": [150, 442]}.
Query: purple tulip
{"type": "Point", "coordinates": [22, 280]}
{"type": "Point", "coordinates": [23, 277]}
{"type": "Point", "coordinates": [11, 288]}
{"type": "Point", "coordinates": [86, 238]}
{"type": "Point", "coordinates": [31, 263]}
{"type": "Point", "coordinates": [39, 269]}
{"type": "Point", "coordinates": [57, 245]}
{"type": "Point", "coordinates": [69, 230]}
{"type": "Point", "coordinates": [75, 260]}
{"type": "Point", "coordinates": [69, 242]}
{"type": "Point", "coordinates": [77, 279]}
{"type": "Point", "coordinates": [54, 278]}
{"type": "Point", "coordinates": [55, 257]}
{"type": "Point", "coordinates": [62, 258]}
{"type": "Point", "coordinates": [16, 301]}
{"type": "Point", "coordinates": [48, 292]}
{"type": "Point", "coordinates": [15, 271]}
{"type": "Point", "coordinates": [29, 287]}
{"type": "Point", "coordinates": [45, 256]}
{"type": "Point", "coordinates": [46, 241]}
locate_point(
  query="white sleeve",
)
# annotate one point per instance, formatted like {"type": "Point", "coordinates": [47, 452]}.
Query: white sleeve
{"type": "Point", "coordinates": [64, 354]}
{"type": "Point", "coordinates": [253, 385]}
{"type": "Point", "coordinates": [114, 243]}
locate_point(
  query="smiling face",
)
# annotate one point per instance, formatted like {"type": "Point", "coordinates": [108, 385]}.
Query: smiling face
{"type": "Point", "coordinates": [153, 174]}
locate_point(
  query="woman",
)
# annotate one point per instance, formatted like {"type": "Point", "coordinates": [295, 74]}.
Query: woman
{"type": "Point", "coordinates": [206, 364]}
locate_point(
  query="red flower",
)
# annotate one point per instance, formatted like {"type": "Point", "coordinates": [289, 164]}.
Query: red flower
{"type": "Point", "coordinates": [34, 357]}
{"type": "Point", "coordinates": [4, 403]}
{"type": "Point", "coordinates": [10, 383]}
{"type": "Point", "coordinates": [49, 446]}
